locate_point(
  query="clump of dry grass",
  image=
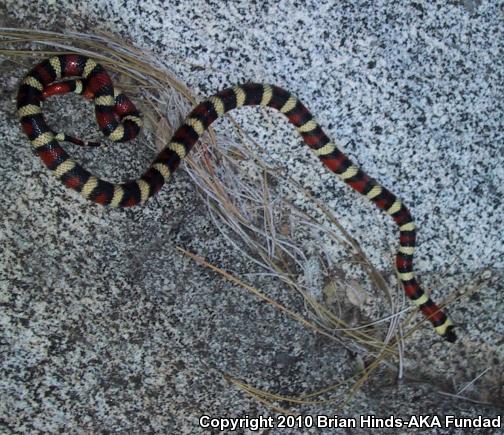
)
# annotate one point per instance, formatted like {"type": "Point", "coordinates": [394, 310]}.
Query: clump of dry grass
{"type": "Point", "coordinates": [242, 200]}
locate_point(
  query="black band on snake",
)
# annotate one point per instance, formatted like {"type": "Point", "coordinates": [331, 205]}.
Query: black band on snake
{"type": "Point", "coordinates": [119, 120]}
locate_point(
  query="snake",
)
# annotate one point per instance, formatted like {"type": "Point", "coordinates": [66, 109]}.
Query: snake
{"type": "Point", "coordinates": [120, 121]}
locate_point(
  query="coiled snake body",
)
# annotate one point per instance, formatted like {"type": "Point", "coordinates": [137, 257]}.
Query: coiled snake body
{"type": "Point", "coordinates": [119, 120]}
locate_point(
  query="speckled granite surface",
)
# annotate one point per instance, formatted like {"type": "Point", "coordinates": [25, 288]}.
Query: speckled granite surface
{"type": "Point", "coordinates": [106, 328]}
